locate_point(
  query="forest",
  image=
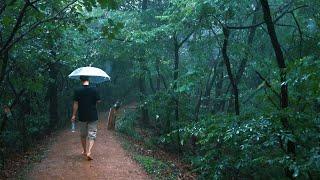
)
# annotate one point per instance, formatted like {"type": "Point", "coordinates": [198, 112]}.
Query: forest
{"type": "Point", "coordinates": [231, 87]}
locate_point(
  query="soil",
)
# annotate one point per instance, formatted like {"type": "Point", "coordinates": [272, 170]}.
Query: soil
{"type": "Point", "coordinates": [64, 159]}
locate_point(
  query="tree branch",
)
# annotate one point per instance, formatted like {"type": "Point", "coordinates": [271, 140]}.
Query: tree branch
{"type": "Point", "coordinates": [185, 39]}
{"type": "Point", "coordinates": [300, 33]}
{"type": "Point", "coordinates": [102, 38]}
{"type": "Point", "coordinates": [16, 27]}
{"type": "Point", "coordinates": [11, 86]}
{"type": "Point", "coordinates": [260, 23]}
{"type": "Point", "coordinates": [267, 83]}
{"type": "Point", "coordinates": [33, 27]}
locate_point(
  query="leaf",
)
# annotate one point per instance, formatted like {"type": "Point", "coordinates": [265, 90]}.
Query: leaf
{"type": "Point", "coordinates": [261, 85]}
{"type": "Point", "coordinates": [296, 172]}
{"type": "Point", "coordinates": [82, 28]}
{"type": "Point", "coordinates": [87, 6]}
{"type": "Point", "coordinates": [113, 4]}
{"type": "Point", "coordinates": [103, 3]}
{"type": "Point", "coordinates": [182, 142]}
{"type": "Point", "coordinates": [7, 20]}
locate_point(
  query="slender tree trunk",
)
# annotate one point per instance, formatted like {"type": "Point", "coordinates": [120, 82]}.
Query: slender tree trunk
{"type": "Point", "coordinates": [144, 109]}
{"type": "Point", "coordinates": [210, 82]}
{"type": "Point", "coordinates": [175, 84]}
{"type": "Point", "coordinates": [53, 96]}
{"type": "Point", "coordinates": [229, 71]}
{"type": "Point", "coordinates": [158, 74]}
{"type": "Point", "coordinates": [284, 101]}
{"type": "Point", "coordinates": [3, 122]}
{"type": "Point", "coordinates": [4, 59]}
{"type": "Point", "coordinates": [243, 64]}
{"type": "Point", "coordinates": [142, 87]}
{"type": "Point", "coordinates": [198, 105]}
{"type": "Point", "coordinates": [151, 83]}
{"type": "Point", "coordinates": [4, 63]}
{"type": "Point", "coordinates": [218, 88]}
{"type": "Point", "coordinates": [251, 35]}
{"type": "Point", "coordinates": [142, 84]}
{"type": "Point", "coordinates": [4, 115]}
{"type": "Point", "coordinates": [176, 76]}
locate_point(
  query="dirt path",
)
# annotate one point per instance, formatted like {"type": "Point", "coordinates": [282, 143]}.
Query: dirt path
{"type": "Point", "coordinates": [64, 160]}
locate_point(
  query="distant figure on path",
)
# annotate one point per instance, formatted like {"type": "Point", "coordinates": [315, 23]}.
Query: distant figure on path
{"type": "Point", "coordinates": [85, 100]}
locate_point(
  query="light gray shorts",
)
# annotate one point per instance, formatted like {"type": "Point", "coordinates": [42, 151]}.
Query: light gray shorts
{"type": "Point", "coordinates": [88, 129]}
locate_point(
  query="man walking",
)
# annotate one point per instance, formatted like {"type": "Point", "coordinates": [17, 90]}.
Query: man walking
{"type": "Point", "coordinates": [84, 102]}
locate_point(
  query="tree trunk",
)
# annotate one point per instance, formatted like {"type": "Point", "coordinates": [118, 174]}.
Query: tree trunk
{"type": "Point", "coordinates": [243, 64]}
{"type": "Point", "coordinates": [198, 105]}
{"type": "Point", "coordinates": [4, 63]}
{"type": "Point", "coordinates": [218, 90]}
{"type": "Point", "coordinates": [229, 71]}
{"type": "Point", "coordinates": [53, 96]}
{"type": "Point", "coordinates": [4, 59]}
{"type": "Point", "coordinates": [284, 101]}
{"type": "Point", "coordinates": [209, 84]}
{"type": "Point", "coordinates": [175, 85]}
{"type": "Point", "coordinates": [176, 76]}
{"type": "Point", "coordinates": [142, 84]}
{"type": "Point", "coordinates": [158, 74]}
{"type": "Point", "coordinates": [251, 35]}
{"type": "Point", "coordinates": [151, 83]}
{"type": "Point", "coordinates": [144, 110]}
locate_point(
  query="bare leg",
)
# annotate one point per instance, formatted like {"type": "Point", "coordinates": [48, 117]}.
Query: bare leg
{"type": "Point", "coordinates": [84, 145]}
{"type": "Point", "coordinates": [92, 133]}
{"type": "Point", "coordinates": [91, 142]}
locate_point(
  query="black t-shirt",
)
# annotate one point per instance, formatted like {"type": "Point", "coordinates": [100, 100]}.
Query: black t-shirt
{"type": "Point", "coordinates": [87, 97]}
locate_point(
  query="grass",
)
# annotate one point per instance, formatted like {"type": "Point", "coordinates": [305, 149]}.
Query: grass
{"type": "Point", "coordinates": [154, 167]}
{"type": "Point", "coordinates": [141, 151]}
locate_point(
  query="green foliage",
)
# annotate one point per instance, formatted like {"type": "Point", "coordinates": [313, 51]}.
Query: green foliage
{"type": "Point", "coordinates": [141, 43]}
{"type": "Point", "coordinates": [111, 29]}
{"type": "Point", "coordinates": [90, 4]}
{"type": "Point", "coordinates": [36, 125]}
{"type": "Point", "coordinates": [154, 167]}
{"type": "Point", "coordinates": [126, 124]}
{"type": "Point", "coordinates": [13, 141]}
{"type": "Point", "coordinates": [247, 148]}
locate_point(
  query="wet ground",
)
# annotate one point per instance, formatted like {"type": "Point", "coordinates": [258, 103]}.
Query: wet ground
{"type": "Point", "coordinates": [64, 159]}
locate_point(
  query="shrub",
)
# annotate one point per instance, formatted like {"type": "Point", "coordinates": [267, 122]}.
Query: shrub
{"type": "Point", "coordinates": [249, 148]}
{"type": "Point", "coordinates": [126, 124]}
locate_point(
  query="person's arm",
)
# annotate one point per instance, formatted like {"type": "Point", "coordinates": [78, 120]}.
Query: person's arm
{"type": "Point", "coordinates": [98, 99]}
{"type": "Point", "coordinates": [74, 111]}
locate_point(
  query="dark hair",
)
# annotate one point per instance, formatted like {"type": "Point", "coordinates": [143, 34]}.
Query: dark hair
{"type": "Point", "coordinates": [84, 78]}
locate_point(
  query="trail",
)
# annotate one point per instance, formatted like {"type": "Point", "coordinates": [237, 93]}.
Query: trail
{"type": "Point", "coordinates": [64, 159]}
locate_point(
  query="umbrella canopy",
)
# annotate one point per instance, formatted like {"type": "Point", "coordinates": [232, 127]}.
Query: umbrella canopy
{"type": "Point", "coordinates": [95, 75]}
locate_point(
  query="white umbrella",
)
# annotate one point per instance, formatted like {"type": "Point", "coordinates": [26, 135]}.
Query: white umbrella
{"type": "Point", "coordinates": [95, 75]}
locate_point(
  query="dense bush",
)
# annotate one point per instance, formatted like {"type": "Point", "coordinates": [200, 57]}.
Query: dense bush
{"type": "Point", "coordinates": [126, 124]}
{"type": "Point", "coordinates": [249, 148]}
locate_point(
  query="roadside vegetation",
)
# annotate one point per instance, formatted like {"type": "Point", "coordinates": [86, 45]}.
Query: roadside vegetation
{"type": "Point", "coordinates": [230, 87]}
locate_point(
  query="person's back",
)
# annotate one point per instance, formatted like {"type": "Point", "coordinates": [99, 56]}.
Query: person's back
{"type": "Point", "coordinates": [87, 97]}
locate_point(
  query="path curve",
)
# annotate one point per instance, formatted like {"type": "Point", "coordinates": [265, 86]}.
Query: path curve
{"type": "Point", "coordinates": [64, 160]}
